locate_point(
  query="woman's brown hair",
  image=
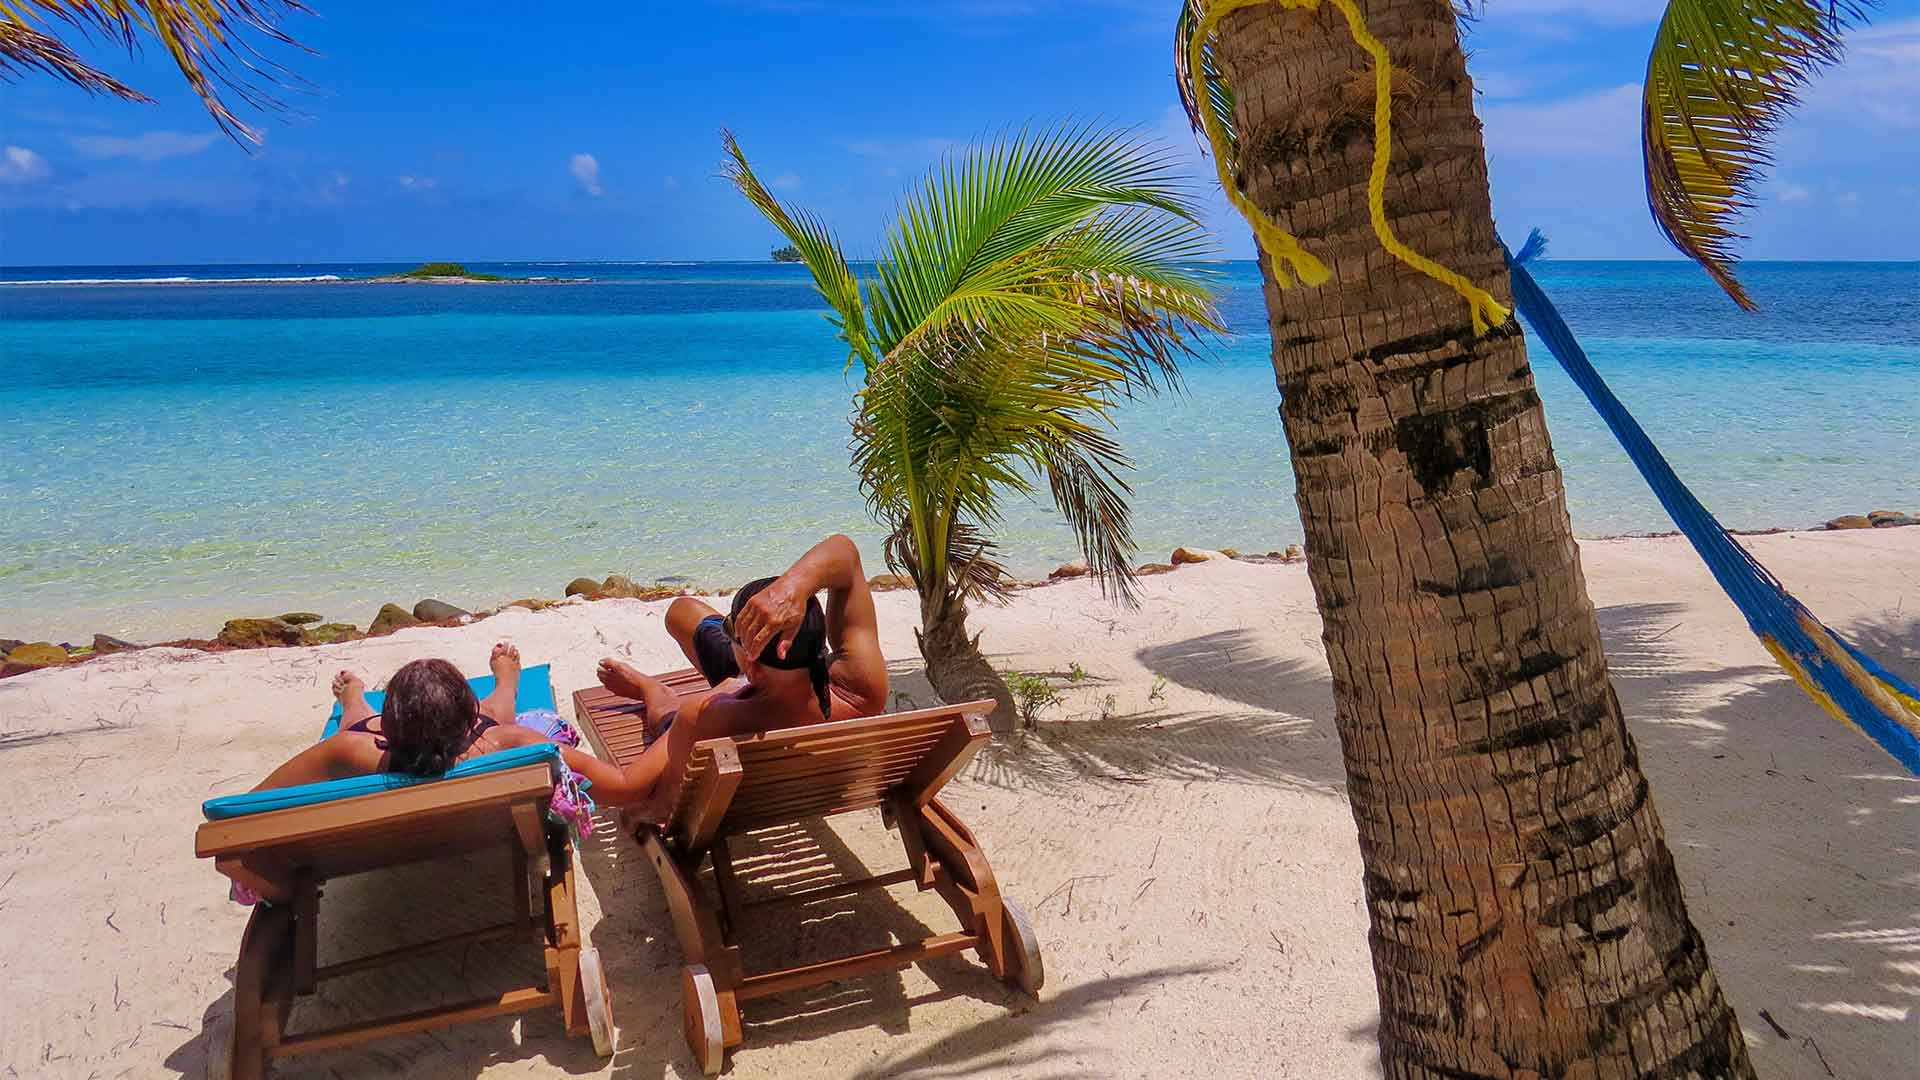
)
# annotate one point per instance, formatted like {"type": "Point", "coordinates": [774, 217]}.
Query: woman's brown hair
{"type": "Point", "coordinates": [428, 717]}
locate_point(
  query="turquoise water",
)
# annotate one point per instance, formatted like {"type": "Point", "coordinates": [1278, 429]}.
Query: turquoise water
{"type": "Point", "coordinates": [176, 455]}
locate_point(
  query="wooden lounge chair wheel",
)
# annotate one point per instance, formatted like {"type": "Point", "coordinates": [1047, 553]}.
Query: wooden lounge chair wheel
{"type": "Point", "coordinates": [593, 984]}
{"type": "Point", "coordinates": [700, 1018]}
{"type": "Point", "coordinates": [1032, 974]}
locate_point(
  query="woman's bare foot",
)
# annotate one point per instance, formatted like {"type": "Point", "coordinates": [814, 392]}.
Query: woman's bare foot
{"type": "Point", "coordinates": [622, 678]}
{"type": "Point", "coordinates": [351, 692]}
{"type": "Point", "coordinates": [505, 664]}
{"type": "Point", "coordinates": [505, 660]}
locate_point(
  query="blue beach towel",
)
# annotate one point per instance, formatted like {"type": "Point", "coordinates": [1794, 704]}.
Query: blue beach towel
{"type": "Point", "coordinates": [536, 692]}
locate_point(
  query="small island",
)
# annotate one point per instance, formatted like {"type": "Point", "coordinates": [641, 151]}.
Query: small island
{"type": "Point", "coordinates": [452, 273]}
{"type": "Point", "coordinates": [788, 254]}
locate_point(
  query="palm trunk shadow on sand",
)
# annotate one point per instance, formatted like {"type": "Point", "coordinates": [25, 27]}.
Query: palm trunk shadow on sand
{"type": "Point", "coordinates": [1806, 883]}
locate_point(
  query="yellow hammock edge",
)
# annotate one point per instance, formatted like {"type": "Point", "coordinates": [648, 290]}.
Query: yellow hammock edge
{"type": "Point", "coordinates": [1898, 707]}
{"type": "Point", "coordinates": [1290, 259]}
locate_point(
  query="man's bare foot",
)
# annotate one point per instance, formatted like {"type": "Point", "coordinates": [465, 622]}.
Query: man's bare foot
{"type": "Point", "coordinates": [351, 692]}
{"type": "Point", "coordinates": [622, 678]}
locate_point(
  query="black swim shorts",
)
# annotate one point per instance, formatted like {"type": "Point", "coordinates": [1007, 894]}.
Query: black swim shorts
{"type": "Point", "coordinates": [714, 649]}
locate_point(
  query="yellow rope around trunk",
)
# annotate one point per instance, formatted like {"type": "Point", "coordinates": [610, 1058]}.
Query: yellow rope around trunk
{"type": "Point", "coordinates": [1289, 258]}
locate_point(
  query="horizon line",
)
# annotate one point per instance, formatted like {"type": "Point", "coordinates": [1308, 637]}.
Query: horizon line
{"type": "Point", "coordinates": [762, 261]}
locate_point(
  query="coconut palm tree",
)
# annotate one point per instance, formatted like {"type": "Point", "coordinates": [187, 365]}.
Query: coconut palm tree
{"type": "Point", "coordinates": [1026, 288]}
{"type": "Point", "coordinates": [1526, 917]}
{"type": "Point", "coordinates": [211, 41]}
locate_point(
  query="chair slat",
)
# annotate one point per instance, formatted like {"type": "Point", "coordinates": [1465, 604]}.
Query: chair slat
{"type": "Point", "coordinates": [405, 807]}
{"type": "Point", "coordinates": [800, 772]}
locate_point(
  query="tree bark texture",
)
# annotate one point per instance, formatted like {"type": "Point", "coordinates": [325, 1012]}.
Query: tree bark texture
{"type": "Point", "coordinates": [1525, 915]}
{"type": "Point", "coordinates": [955, 665]}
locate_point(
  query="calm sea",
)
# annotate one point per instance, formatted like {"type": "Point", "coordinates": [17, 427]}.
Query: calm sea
{"type": "Point", "coordinates": [176, 455]}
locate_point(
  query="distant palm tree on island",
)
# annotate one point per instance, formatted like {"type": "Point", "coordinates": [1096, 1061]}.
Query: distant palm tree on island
{"type": "Point", "coordinates": [1027, 287]}
{"type": "Point", "coordinates": [788, 254]}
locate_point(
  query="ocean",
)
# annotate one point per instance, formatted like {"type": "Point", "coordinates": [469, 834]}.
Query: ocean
{"type": "Point", "coordinates": [176, 455]}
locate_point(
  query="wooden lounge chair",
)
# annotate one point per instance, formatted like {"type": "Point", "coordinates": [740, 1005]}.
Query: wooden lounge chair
{"type": "Point", "coordinates": [283, 845]}
{"type": "Point", "coordinates": [897, 763]}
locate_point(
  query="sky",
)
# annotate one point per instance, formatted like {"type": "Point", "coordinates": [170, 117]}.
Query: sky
{"type": "Point", "coordinates": [440, 130]}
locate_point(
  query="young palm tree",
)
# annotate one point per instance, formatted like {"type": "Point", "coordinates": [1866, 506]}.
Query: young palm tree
{"type": "Point", "coordinates": [1026, 288]}
{"type": "Point", "coordinates": [211, 41]}
{"type": "Point", "coordinates": [1526, 916]}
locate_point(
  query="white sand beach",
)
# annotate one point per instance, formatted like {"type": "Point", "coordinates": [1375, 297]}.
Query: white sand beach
{"type": "Point", "coordinates": [1189, 859]}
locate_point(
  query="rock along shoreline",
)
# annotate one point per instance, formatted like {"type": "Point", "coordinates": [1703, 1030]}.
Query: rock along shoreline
{"type": "Point", "coordinates": [294, 629]}
{"type": "Point", "coordinates": [306, 628]}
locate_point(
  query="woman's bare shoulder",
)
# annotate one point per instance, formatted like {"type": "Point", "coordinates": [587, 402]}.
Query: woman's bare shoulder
{"type": "Point", "coordinates": [352, 753]}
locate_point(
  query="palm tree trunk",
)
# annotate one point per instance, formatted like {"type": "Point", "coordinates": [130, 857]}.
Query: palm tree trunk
{"type": "Point", "coordinates": [955, 665]}
{"type": "Point", "coordinates": [1526, 917]}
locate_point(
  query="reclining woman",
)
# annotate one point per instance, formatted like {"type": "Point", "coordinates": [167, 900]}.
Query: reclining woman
{"type": "Point", "coordinates": [777, 660]}
{"type": "Point", "coordinates": [430, 722]}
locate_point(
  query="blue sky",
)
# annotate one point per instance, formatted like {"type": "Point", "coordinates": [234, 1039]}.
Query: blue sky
{"type": "Point", "coordinates": [591, 131]}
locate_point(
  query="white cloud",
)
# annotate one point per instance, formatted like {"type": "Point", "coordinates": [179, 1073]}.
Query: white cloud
{"type": "Point", "coordinates": [419, 183]}
{"type": "Point", "coordinates": [1793, 193]}
{"type": "Point", "coordinates": [1847, 198]}
{"type": "Point", "coordinates": [586, 169]}
{"type": "Point", "coordinates": [1601, 12]}
{"type": "Point", "coordinates": [1495, 85]}
{"type": "Point", "coordinates": [785, 182]}
{"type": "Point", "coordinates": [672, 182]}
{"type": "Point", "coordinates": [19, 165]}
{"type": "Point", "coordinates": [332, 189]}
{"type": "Point", "coordinates": [1879, 77]}
{"type": "Point", "coordinates": [152, 146]}
{"type": "Point", "coordinates": [1600, 123]}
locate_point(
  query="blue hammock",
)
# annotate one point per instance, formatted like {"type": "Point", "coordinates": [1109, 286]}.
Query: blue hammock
{"type": "Point", "coordinates": [1845, 681]}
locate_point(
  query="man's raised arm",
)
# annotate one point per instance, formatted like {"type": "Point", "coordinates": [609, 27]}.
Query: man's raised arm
{"type": "Point", "coordinates": [853, 630]}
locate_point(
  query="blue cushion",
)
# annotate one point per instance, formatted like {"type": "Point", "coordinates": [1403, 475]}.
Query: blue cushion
{"type": "Point", "coordinates": [536, 692]}
{"type": "Point", "coordinates": [256, 802]}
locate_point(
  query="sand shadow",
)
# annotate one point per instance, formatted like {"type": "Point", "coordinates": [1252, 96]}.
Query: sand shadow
{"type": "Point", "coordinates": [809, 854]}
{"type": "Point", "coordinates": [636, 938]}
{"type": "Point", "coordinates": [1283, 737]}
{"type": "Point", "coordinates": [995, 1046]}
{"type": "Point", "coordinates": [16, 740]}
{"type": "Point", "coordinates": [1828, 917]}
{"type": "Point", "coordinates": [368, 913]}
{"type": "Point", "coordinates": [1232, 664]}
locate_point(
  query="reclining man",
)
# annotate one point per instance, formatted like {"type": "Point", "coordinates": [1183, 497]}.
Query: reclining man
{"type": "Point", "coordinates": [777, 659]}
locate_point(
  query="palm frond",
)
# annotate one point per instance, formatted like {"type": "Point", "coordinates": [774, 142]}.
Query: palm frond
{"type": "Point", "coordinates": [24, 48]}
{"type": "Point", "coordinates": [977, 237]}
{"type": "Point", "coordinates": [977, 571]}
{"type": "Point", "coordinates": [1219, 91]}
{"type": "Point", "coordinates": [1083, 471]}
{"type": "Point", "coordinates": [212, 42]}
{"type": "Point", "coordinates": [818, 250]}
{"type": "Point", "coordinates": [1721, 77]}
